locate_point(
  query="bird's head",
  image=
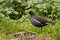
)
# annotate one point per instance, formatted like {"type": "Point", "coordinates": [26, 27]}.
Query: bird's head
{"type": "Point", "coordinates": [31, 12]}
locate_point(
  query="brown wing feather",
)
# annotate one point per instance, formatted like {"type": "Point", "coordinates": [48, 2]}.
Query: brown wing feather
{"type": "Point", "coordinates": [41, 20]}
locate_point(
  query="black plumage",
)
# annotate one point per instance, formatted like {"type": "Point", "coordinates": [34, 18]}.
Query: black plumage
{"type": "Point", "coordinates": [38, 21]}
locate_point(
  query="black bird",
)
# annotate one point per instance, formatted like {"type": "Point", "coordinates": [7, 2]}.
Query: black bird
{"type": "Point", "coordinates": [38, 21]}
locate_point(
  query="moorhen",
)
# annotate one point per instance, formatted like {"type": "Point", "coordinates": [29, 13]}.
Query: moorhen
{"type": "Point", "coordinates": [38, 21]}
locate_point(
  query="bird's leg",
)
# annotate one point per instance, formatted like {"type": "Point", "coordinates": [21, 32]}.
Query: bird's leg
{"type": "Point", "coordinates": [41, 29]}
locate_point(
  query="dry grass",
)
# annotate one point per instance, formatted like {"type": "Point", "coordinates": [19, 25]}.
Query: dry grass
{"type": "Point", "coordinates": [24, 35]}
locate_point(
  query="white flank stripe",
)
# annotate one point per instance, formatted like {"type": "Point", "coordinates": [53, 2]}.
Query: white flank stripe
{"type": "Point", "coordinates": [36, 21]}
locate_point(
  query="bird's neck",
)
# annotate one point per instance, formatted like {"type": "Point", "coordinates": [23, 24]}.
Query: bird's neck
{"type": "Point", "coordinates": [32, 16]}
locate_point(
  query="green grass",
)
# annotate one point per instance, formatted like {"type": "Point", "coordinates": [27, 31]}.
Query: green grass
{"type": "Point", "coordinates": [8, 26]}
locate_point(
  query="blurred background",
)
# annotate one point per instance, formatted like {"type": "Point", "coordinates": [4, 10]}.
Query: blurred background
{"type": "Point", "coordinates": [14, 17]}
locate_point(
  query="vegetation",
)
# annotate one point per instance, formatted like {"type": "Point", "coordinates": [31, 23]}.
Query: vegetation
{"type": "Point", "coordinates": [14, 16]}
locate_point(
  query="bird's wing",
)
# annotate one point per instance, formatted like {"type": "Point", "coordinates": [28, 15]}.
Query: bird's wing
{"type": "Point", "coordinates": [41, 20]}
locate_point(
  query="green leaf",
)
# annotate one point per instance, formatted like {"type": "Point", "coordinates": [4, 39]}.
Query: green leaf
{"type": "Point", "coordinates": [19, 1]}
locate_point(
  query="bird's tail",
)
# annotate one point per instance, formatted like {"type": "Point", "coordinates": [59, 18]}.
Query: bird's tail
{"type": "Point", "coordinates": [49, 23]}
